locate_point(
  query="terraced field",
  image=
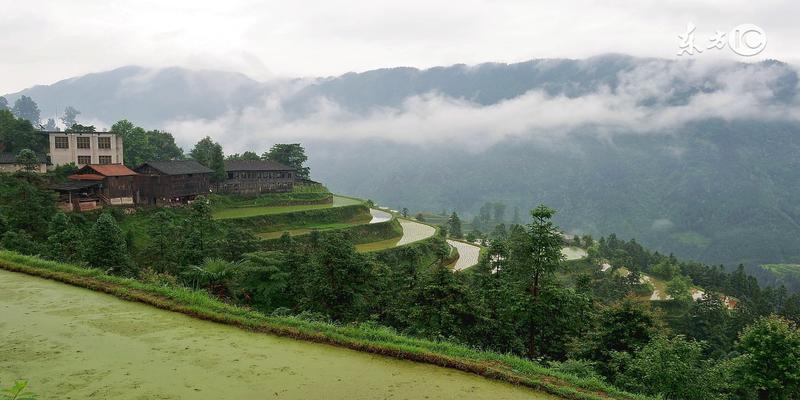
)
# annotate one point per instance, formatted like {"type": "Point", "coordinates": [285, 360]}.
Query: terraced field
{"type": "Point", "coordinates": [468, 254]}
{"type": "Point", "coordinates": [243, 212]}
{"type": "Point", "coordinates": [76, 343]}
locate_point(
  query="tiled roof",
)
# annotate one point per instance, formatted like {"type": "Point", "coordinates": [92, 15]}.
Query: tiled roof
{"type": "Point", "coordinates": [11, 158]}
{"type": "Point", "coordinates": [86, 177]}
{"type": "Point", "coordinates": [255, 165]}
{"type": "Point", "coordinates": [178, 167]}
{"type": "Point", "coordinates": [108, 170]}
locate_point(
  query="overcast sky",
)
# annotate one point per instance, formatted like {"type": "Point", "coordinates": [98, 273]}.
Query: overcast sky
{"type": "Point", "coordinates": [45, 41]}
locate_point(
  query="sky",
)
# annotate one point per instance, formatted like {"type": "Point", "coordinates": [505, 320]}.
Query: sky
{"type": "Point", "coordinates": [46, 41]}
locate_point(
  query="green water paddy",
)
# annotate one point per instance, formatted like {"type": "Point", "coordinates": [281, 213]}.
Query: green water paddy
{"type": "Point", "coordinates": [73, 343]}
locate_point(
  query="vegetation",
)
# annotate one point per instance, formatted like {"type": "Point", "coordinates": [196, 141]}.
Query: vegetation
{"type": "Point", "coordinates": [141, 146]}
{"type": "Point", "coordinates": [292, 155]}
{"type": "Point", "coordinates": [17, 392]}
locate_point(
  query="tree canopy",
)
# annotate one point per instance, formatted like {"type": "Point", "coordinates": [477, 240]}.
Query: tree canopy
{"type": "Point", "coordinates": [292, 155]}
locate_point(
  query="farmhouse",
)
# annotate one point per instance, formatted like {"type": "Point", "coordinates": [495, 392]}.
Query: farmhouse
{"type": "Point", "coordinates": [170, 182]}
{"type": "Point", "coordinates": [8, 163]}
{"type": "Point", "coordinates": [117, 182]}
{"type": "Point", "coordinates": [256, 176]}
{"type": "Point", "coordinates": [83, 148]}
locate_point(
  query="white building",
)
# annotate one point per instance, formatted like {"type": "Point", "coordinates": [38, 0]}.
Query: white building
{"type": "Point", "coordinates": [84, 148]}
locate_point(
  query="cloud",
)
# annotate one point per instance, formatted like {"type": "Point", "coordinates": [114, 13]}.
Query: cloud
{"type": "Point", "coordinates": [657, 96]}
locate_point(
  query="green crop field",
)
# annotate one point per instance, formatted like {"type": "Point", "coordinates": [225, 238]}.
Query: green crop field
{"type": "Point", "coordinates": [243, 212]}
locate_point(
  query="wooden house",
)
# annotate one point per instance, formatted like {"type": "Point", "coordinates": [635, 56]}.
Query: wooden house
{"type": "Point", "coordinates": [117, 183]}
{"type": "Point", "coordinates": [249, 177]}
{"type": "Point", "coordinates": [170, 182]}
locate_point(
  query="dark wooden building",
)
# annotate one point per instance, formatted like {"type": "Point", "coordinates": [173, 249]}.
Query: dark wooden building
{"type": "Point", "coordinates": [117, 183]}
{"type": "Point", "coordinates": [254, 177]}
{"type": "Point", "coordinates": [169, 182]}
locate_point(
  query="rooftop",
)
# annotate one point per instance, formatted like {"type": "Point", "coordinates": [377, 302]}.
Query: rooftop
{"type": "Point", "coordinates": [255, 165]}
{"type": "Point", "coordinates": [106, 170]}
{"type": "Point", "coordinates": [177, 167]}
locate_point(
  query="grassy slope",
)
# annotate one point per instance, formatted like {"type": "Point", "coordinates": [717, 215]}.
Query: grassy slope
{"type": "Point", "coordinates": [363, 337]}
{"type": "Point", "coordinates": [244, 212]}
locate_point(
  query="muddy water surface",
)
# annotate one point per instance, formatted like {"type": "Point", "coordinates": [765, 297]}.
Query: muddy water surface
{"type": "Point", "coordinates": [72, 343]}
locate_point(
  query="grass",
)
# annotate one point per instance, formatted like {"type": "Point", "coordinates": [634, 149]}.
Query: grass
{"type": "Point", "coordinates": [306, 229]}
{"type": "Point", "coordinates": [244, 212]}
{"type": "Point", "coordinates": [362, 337]}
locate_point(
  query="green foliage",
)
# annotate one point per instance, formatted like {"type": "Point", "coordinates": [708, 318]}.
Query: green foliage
{"type": "Point", "coordinates": [21, 242]}
{"type": "Point", "coordinates": [674, 368]}
{"type": "Point", "coordinates": [246, 156]}
{"type": "Point", "coordinates": [69, 118]}
{"type": "Point", "coordinates": [65, 239]}
{"type": "Point", "coordinates": [680, 289]}
{"type": "Point", "coordinates": [26, 109]}
{"type": "Point", "coordinates": [454, 226]}
{"type": "Point", "coordinates": [209, 153]}
{"type": "Point", "coordinates": [18, 133]}
{"type": "Point", "coordinates": [624, 327]}
{"type": "Point", "coordinates": [770, 359]}
{"type": "Point", "coordinates": [106, 247]}
{"type": "Point", "coordinates": [18, 391]}
{"type": "Point", "coordinates": [25, 204]}
{"type": "Point", "coordinates": [292, 155]}
{"type": "Point", "coordinates": [28, 159]}
{"type": "Point", "coordinates": [141, 146]}
{"type": "Point", "coordinates": [80, 128]}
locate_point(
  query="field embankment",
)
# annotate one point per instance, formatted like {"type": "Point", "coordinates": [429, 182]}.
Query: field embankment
{"type": "Point", "coordinates": [362, 337]}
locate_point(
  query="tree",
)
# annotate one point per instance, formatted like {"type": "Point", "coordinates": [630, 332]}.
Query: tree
{"type": "Point", "coordinates": [419, 217]}
{"type": "Point", "coordinates": [499, 212]}
{"type": "Point", "coordinates": [680, 289]}
{"type": "Point", "coordinates": [771, 355]}
{"type": "Point", "coordinates": [545, 258]}
{"type": "Point", "coordinates": [3, 103]}
{"type": "Point", "coordinates": [162, 247]}
{"type": "Point", "coordinates": [50, 125]}
{"type": "Point", "coordinates": [69, 116]}
{"type": "Point", "coordinates": [622, 328]}
{"type": "Point", "coordinates": [200, 234]}
{"type": "Point", "coordinates": [64, 239]}
{"type": "Point", "coordinates": [26, 109]}
{"type": "Point", "coordinates": [28, 159]}
{"type": "Point", "coordinates": [142, 146]}
{"type": "Point", "coordinates": [209, 153]}
{"type": "Point", "coordinates": [25, 205]}
{"type": "Point", "coordinates": [440, 306]}
{"type": "Point", "coordinates": [80, 128]}
{"type": "Point", "coordinates": [404, 212]}
{"type": "Point", "coordinates": [454, 225]}
{"type": "Point", "coordinates": [261, 281]}
{"type": "Point", "coordinates": [292, 155]}
{"type": "Point", "coordinates": [246, 156]}
{"type": "Point", "coordinates": [105, 246]}
{"type": "Point", "coordinates": [673, 368]}
{"type": "Point", "coordinates": [337, 281]}
{"type": "Point", "coordinates": [516, 220]}
{"type": "Point", "coordinates": [17, 134]}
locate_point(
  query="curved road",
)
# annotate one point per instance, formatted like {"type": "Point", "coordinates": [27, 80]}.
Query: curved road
{"type": "Point", "coordinates": [414, 231]}
{"type": "Point", "coordinates": [468, 254]}
{"type": "Point", "coordinates": [379, 216]}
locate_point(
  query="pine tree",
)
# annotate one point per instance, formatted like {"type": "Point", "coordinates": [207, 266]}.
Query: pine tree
{"type": "Point", "coordinates": [106, 246]}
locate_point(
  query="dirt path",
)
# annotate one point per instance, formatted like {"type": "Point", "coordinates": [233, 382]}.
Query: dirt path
{"type": "Point", "coordinates": [75, 343]}
{"type": "Point", "coordinates": [468, 254]}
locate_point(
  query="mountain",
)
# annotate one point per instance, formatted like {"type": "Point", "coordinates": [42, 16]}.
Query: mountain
{"type": "Point", "coordinates": [146, 95]}
{"type": "Point", "coordinates": [696, 158]}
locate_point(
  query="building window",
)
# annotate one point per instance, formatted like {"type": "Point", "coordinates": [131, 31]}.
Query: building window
{"type": "Point", "coordinates": [104, 143]}
{"type": "Point", "coordinates": [84, 159]}
{"type": "Point", "coordinates": [83, 142]}
{"type": "Point", "coordinates": [105, 159]}
{"type": "Point", "coordinates": [62, 142]}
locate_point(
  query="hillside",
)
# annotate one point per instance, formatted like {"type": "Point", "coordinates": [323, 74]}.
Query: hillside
{"type": "Point", "coordinates": [676, 166]}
